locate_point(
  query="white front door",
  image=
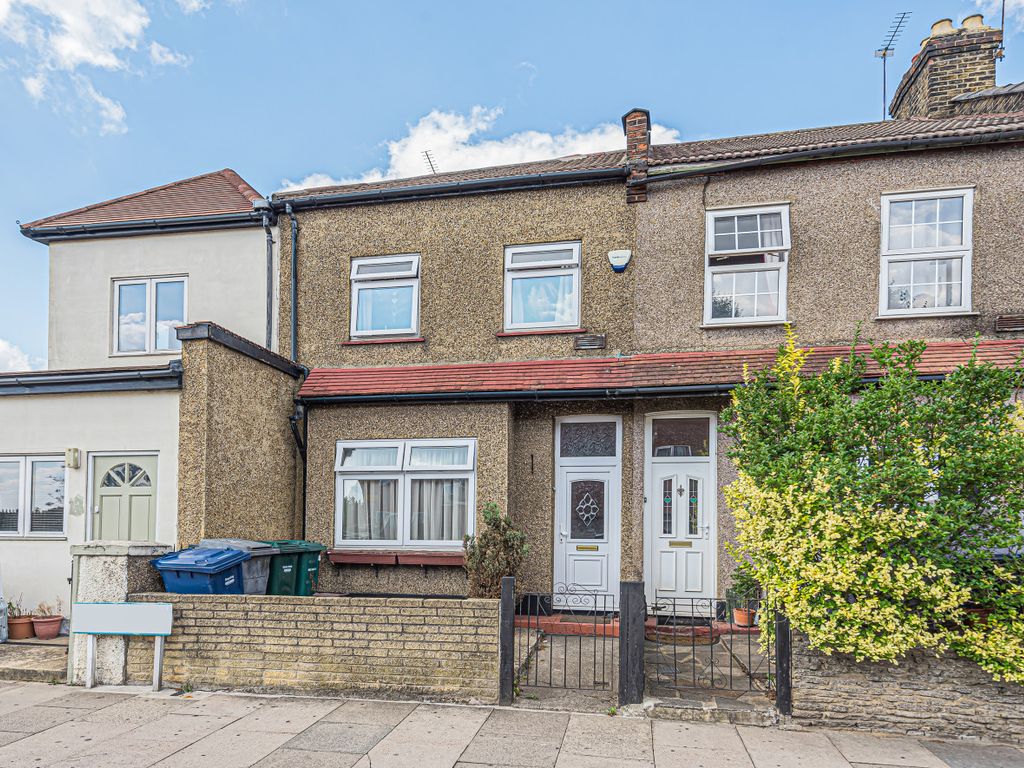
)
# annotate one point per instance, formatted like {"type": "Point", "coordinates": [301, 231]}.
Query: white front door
{"type": "Point", "coordinates": [681, 507]}
{"type": "Point", "coordinates": [588, 502]}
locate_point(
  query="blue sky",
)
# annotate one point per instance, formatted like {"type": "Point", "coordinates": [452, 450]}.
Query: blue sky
{"type": "Point", "coordinates": [106, 97]}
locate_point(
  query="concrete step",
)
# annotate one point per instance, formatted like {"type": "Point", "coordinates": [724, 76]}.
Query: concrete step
{"type": "Point", "coordinates": [712, 710]}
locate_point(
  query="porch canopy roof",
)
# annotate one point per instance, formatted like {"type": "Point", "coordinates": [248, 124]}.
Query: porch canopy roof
{"type": "Point", "coordinates": [674, 373]}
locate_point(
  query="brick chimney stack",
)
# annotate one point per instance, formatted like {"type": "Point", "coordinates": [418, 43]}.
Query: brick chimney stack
{"type": "Point", "coordinates": [637, 125]}
{"type": "Point", "coordinates": [952, 62]}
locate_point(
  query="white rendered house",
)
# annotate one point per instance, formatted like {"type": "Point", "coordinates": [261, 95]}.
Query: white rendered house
{"type": "Point", "coordinates": [89, 447]}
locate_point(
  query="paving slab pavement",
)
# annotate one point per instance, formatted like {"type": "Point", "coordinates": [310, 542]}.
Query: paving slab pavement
{"type": "Point", "coordinates": [43, 726]}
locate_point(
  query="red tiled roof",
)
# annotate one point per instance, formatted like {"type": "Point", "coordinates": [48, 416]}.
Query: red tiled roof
{"type": "Point", "coordinates": [206, 195]}
{"type": "Point", "coordinates": [785, 142]}
{"type": "Point", "coordinates": [619, 375]}
{"type": "Point", "coordinates": [589, 162]}
{"type": "Point", "coordinates": [716, 150]}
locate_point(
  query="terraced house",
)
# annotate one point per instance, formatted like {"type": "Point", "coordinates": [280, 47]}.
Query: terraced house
{"type": "Point", "coordinates": [560, 337]}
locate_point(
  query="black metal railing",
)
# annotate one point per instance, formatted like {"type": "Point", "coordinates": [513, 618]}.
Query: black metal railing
{"type": "Point", "coordinates": [566, 638]}
{"type": "Point", "coordinates": [714, 644]}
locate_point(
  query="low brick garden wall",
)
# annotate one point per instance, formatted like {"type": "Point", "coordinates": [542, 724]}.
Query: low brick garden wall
{"type": "Point", "coordinates": [944, 696]}
{"type": "Point", "coordinates": [413, 647]}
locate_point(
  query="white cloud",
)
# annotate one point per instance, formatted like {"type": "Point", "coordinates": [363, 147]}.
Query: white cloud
{"type": "Point", "coordinates": [11, 356]}
{"type": "Point", "coordinates": [992, 8]}
{"type": "Point", "coordinates": [162, 55]}
{"type": "Point", "coordinates": [455, 143]}
{"type": "Point", "coordinates": [59, 41]}
{"type": "Point", "coordinates": [193, 6]}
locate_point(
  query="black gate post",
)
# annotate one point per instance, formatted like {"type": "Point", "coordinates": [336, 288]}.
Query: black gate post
{"type": "Point", "coordinates": [506, 641]}
{"type": "Point", "coordinates": [632, 613]}
{"type": "Point", "coordinates": [783, 665]}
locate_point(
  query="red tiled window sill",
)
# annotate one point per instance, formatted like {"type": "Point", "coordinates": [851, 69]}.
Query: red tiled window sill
{"type": "Point", "coordinates": [392, 557]}
{"type": "Point", "coordinates": [541, 332]}
{"type": "Point", "coordinates": [398, 340]}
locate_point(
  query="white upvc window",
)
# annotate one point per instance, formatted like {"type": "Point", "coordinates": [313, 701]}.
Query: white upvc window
{"type": "Point", "coordinates": [926, 253]}
{"type": "Point", "coordinates": [385, 296]}
{"type": "Point", "coordinates": [147, 310]}
{"type": "Point", "coordinates": [412, 494]}
{"type": "Point", "coordinates": [542, 286]}
{"type": "Point", "coordinates": [32, 497]}
{"type": "Point", "coordinates": [746, 260]}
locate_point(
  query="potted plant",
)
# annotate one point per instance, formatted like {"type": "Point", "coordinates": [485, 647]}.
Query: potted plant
{"type": "Point", "coordinates": [47, 620]}
{"type": "Point", "coordinates": [744, 596]}
{"type": "Point", "coordinates": [19, 626]}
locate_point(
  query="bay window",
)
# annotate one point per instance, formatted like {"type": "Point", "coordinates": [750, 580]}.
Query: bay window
{"type": "Point", "coordinates": [746, 257]}
{"type": "Point", "coordinates": [416, 494]}
{"type": "Point", "coordinates": [926, 253]}
{"type": "Point", "coordinates": [385, 296]}
{"type": "Point", "coordinates": [32, 496]}
{"type": "Point", "coordinates": [542, 286]}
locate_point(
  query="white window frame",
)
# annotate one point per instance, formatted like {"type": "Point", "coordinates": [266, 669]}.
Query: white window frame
{"type": "Point", "coordinates": [25, 462]}
{"type": "Point", "coordinates": [150, 283]}
{"type": "Point", "coordinates": [711, 269]}
{"type": "Point", "coordinates": [399, 278]}
{"type": "Point", "coordinates": [543, 268]}
{"type": "Point", "coordinates": [964, 252]}
{"type": "Point", "coordinates": [404, 474]}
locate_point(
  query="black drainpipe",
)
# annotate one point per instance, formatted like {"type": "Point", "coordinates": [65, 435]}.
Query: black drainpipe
{"type": "Point", "coordinates": [300, 443]}
{"type": "Point", "coordinates": [294, 284]}
{"type": "Point", "coordinates": [270, 280]}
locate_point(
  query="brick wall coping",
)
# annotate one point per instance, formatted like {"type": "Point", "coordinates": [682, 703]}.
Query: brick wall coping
{"type": "Point", "coordinates": [322, 601]}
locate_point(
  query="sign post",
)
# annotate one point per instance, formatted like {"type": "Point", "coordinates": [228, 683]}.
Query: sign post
{"type": "Point", "coordinates": [145, 619]}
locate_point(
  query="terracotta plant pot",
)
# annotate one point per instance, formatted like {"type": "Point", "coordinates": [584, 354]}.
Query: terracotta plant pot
{"type": "Point", "coordinates": [47, 627]}
{"type": "Point", "coordinates": [20, 628]}
{"type": "Point", "coordinates": [743, 617]}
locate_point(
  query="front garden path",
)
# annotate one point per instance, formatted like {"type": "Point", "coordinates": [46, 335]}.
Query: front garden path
{"type": "Point", "coordinates": [54, 725]}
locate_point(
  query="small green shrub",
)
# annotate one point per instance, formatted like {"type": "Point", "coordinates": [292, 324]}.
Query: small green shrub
{"type": "Point", "coordinates": [497, 550]}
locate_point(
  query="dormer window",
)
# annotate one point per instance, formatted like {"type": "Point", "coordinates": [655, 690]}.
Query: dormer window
{"type": "Point", "coordinates": [146, 313]}
{"type": "Point", "coordinates": [746, 255]}
{"type": "Point", "coordinates": [385, 295]}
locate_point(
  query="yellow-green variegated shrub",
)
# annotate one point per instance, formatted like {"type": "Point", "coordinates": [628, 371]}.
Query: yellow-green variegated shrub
{"type": "Point", "coordinates": [885, 517]}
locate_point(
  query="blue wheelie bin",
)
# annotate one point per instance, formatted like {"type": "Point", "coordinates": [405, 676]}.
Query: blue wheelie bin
{"type": "Point", "coordinates": [201, 571]}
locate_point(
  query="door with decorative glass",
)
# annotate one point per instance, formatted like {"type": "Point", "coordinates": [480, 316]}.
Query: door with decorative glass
{"type": "Point", "coordinates": [680, 514]}
{"type": "Point", "coordinates": [124, 498]}
{"type": "Point", "coordinates": [588, 500]}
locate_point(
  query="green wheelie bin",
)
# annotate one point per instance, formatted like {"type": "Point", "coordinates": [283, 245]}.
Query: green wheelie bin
{"type": "Point", "coordinates": [295, 570]}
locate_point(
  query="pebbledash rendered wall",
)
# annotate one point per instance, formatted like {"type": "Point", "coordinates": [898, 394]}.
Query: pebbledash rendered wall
{"type": "Point", "coordinates": [924, 695]}
{"type": "Point", "coordinates": [427, 648]}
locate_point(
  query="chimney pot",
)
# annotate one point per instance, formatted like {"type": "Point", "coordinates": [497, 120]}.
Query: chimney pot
{"type": "Point", "coordinates": [943, 27]}
{"type": "Point", "coordinates": [974, 21]}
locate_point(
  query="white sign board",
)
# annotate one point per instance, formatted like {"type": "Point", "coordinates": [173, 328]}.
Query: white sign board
{"type": "Point", "coordinates": [150, 619]}
{"type": "Point", "coordinates": [121, 618]}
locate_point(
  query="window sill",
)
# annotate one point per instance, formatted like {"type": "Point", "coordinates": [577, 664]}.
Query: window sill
{"type": "Point", "coordinates": [454, 558]}
{"type": "Point", "coordinates": [9, 537]}
{"type": "Point", "coordinates": [395, 340]}
{"type": "Point", "coordinates": [751, 324]}
{"type": "Point", "coordinates": [540, 332]}
{"type": "Point", "coordinates": [927, 315]}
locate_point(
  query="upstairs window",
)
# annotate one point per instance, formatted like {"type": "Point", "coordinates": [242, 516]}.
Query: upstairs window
{"type": "Point", "coordinates": [542, 286]}
{"type": "Point", "coordinates": [146, 313]}
{"type": "Point", "coordinates": [32, 496]}
{"type": "Point", "coordinates": [746, 255]}
{"type": "Point", "coordinates": [405, 493]}
{"type": "Point", "coordinates": [926, 253]}
{"type": "Point", "coordinates": [385, 296]}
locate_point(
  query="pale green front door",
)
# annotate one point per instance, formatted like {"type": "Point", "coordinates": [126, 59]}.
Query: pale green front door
{"type": "Point", "coordinates": [124, 498]}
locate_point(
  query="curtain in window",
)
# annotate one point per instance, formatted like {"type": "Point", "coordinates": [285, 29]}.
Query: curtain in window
{"type": "Point", "coordinates": [439, 456]}
{"type": "Point", "coordinates": [370, 508]}
{"type": "Point", "coordinates": [439, 509]}
{"type": "Point", "coordinates": [47, 510]}
{"type": "Point", "coordinates": [547, 299]}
